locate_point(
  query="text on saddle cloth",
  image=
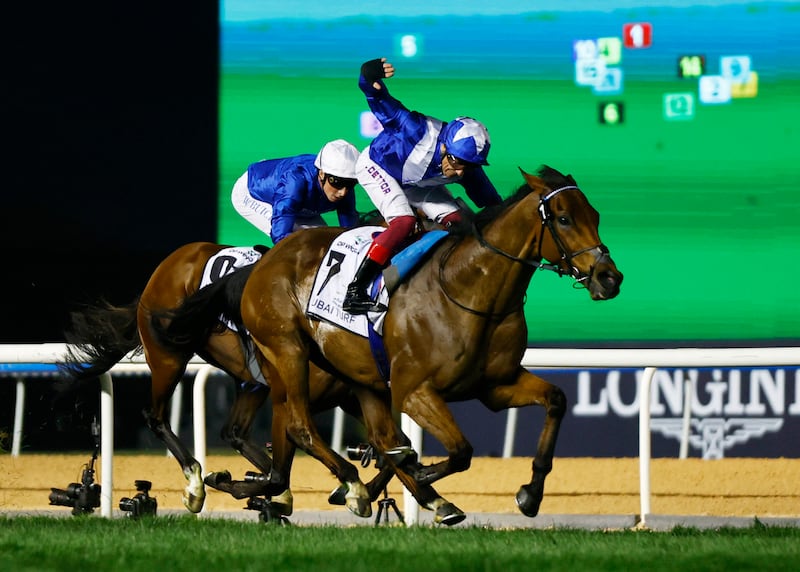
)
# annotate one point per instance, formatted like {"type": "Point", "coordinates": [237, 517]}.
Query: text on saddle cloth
{"type": "Point", "coordinates": [221, 264]}
{"type": "Point", "coordinates": [226, 261]}
{"type": "Point", "coordinates": [339, 267]}
{"type": "Point", "coordinates": [337, 270]}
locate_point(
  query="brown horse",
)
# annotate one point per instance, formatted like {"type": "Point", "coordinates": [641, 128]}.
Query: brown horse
{"type": "Point", "coordinates": [455, 330]}
{"type": "Point", "coordinates": [102, 335]}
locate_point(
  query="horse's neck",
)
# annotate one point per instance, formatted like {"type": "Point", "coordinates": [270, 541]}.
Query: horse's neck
{"type": "Point", "coordinates": [496, 282]}
{"type": "Point", "coordinates": [517, 230]}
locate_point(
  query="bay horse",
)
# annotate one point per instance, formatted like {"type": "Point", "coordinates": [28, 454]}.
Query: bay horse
{"type": "Point", "coordinates": [102, 334]}
{"type": "Point", "coordinates": [455, 330]}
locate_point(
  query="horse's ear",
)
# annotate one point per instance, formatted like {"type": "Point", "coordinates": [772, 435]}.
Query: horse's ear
{"type": "Point", "coordinates": [533, 181]}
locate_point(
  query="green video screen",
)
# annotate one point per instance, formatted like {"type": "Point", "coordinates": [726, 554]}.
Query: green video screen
{"type": "Point", "coordinates": [679, 122]}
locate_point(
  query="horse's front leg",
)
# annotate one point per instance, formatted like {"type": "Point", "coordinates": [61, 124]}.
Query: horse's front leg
{"type": "Point", "coordinates": [529, 389]}
{"type": "Point", "coordinates": [429, 411]}
{"type": "Point", "coordinates": [400, 459]}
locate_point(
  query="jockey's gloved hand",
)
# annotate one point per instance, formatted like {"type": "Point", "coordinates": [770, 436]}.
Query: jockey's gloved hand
{"type": "Point", "coordinates": [373, 70]}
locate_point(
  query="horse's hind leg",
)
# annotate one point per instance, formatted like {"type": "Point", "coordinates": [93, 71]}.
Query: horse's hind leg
{"type": "Point", "coordinates": [289, 374]}
{"type": "Point", "coordinates": [530, 389]}
{"type": "Point", "coordinates": [166, 373]}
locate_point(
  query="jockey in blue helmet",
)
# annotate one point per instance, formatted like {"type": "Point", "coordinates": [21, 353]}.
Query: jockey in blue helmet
{"type": "Point", "coordinates": [467, 140]}
{"type": "Point", "coordinates": [406, 167]}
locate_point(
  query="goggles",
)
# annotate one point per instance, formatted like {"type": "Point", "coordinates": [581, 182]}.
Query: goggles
{"type": "Point", "coordinates": [456, 163]}
{"type": "Point", "coordinates": [341, 182]}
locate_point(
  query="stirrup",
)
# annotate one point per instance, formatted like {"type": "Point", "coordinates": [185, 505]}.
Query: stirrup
{"type": "Point", "coordinates": [357, 303]}
{"type": "Point", "coordinates": [360, 304]}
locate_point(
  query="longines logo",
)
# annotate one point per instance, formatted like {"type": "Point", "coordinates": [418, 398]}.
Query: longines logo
{"type": "Point", "coordinates": [746, 405]}
{"type": "Point", "coordinates": [714, 435]}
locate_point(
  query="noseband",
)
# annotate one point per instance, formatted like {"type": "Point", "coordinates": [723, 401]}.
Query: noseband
{"type": "Point", "coordinates": [548, 220]}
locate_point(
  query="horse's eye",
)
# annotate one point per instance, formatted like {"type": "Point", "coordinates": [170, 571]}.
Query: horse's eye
{"type": "Point", "coordinates": [563, 220]}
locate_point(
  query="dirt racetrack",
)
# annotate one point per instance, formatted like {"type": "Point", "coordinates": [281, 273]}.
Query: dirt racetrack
{"type": "Point", "coordinates": [727, 487]}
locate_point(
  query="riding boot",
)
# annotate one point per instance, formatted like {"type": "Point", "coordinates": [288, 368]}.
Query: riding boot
{"type": "Point", "coordinates": [357, 301]}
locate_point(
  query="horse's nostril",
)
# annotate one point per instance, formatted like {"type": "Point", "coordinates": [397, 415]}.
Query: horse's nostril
{"type": "Point", "coordinates": [610, 279]}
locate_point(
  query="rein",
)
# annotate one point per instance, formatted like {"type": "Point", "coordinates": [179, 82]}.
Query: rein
{"type": "Point", "coordinates": [547, 220]}
{"type": "Point", "coordinates": [535, 262]}
{"type": "Point", "coordinates": [443, 282]}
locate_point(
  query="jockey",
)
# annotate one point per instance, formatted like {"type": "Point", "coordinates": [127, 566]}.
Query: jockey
{"type": "Point", "coordinates": [279, 196]}
{"type": "Point", "coordinates": [407, 166]}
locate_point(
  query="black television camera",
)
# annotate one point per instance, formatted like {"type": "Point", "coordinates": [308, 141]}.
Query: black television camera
{"type": "Point", "coordinates": [142, 504]}
{"type": "Point", "coordinates": [83, 497]}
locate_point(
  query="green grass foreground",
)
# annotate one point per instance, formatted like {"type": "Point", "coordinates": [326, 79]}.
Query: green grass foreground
{"type": "Point", "coordinates": [186, 543]}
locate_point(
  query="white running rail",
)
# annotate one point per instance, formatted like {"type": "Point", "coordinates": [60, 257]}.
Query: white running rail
{"type": "Point", "coordinates": [648, 359]}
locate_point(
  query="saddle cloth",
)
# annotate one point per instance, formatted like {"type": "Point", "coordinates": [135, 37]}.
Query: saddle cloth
{"type": "Point", "coordinates": [226, 261]}
{"type": "Point", "coordinates": [339, 267]}
{"type": "Point", "coordinates": [337, 270]}
{"type": "Point", "coordinates": [221, 264]}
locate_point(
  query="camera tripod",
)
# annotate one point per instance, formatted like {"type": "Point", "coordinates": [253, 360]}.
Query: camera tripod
{"type": "Point", "coordinates": [384, 505]}
{"type": "Point", "coordinates": [366, 453]}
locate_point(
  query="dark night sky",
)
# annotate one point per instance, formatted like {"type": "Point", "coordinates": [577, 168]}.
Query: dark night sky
{"type": "Point", "coordinates": [111, 151]}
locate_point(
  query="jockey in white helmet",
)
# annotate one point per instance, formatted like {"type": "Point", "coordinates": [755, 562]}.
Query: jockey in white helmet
{"type": "Point", "coordinates": [279, 196]}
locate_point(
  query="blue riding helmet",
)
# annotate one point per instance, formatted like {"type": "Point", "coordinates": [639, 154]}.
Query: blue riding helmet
{"type": "Point", "coordinates": [467, 139]}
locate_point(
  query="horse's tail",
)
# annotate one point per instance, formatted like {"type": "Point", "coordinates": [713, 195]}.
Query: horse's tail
{"type": "Point", "coordinates": [100, 336]}
{"type": "Point", "coordinates": [186, 329]}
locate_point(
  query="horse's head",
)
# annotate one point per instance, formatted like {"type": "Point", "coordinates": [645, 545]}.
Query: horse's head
{"type": "Point", "coordinates": [570, 239]}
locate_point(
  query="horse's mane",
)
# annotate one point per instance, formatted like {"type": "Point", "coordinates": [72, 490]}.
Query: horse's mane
{"type": "Point", "coordinates": [552, 178]}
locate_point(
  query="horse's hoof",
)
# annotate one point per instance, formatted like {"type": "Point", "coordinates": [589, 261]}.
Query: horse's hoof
{"type": "Point", "coordinates": [360, 507]}
{"type": "Point", "coordinates": [214, 480]}
{"type": "Point", "coordinates": [284, 503]}
{"type": "Point", "coordinates": [448, 514]}
{"type": "Point", "coordinates": [357, 499]}
{"type": "Point", "coordinates": [194, 502]}
{"type": "Point", "coordinates": [338, 496]}
{"type": "Point", "coordinates": [283, 509]}
{"type": "Point", "coordinates": [528, 501]}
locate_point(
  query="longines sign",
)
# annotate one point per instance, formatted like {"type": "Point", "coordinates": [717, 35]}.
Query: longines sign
{"type": "Point", "coordinates": [739, 412]}
{"type": "Point", "coordinates": [728, 408]}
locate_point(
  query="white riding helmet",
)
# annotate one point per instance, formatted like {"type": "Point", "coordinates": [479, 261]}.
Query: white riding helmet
{"type": "Point", "coordinates": [338, 158]}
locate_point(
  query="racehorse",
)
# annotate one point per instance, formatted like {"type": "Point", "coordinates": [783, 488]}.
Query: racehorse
{"type": "Point", "coordinates": [455, 330]}
{"type": "Point", "coordinates": [103, 334]}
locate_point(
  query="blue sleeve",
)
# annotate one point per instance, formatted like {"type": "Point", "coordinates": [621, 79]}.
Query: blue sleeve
{"type": "Point", "coordinates": [286, 200]}
{"type": "Point", "coordinates": [348, 219]}
{"type": "Point", "coordinates": [347, 213]}
{"type": "Point", "coordinates": [386, 108]}
{"type": "Point", "coordinates": [479, 188]}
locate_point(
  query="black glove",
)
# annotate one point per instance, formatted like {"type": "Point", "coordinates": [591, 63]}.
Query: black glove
{"type": "Point", "coordinates": [372, 70]}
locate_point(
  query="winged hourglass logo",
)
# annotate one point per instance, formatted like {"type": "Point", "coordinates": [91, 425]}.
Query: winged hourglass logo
{"type": "Point", "coordinates": [714, 435]}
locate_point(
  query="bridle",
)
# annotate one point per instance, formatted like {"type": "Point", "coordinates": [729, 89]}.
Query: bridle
{"type": "Point", "coordinates": [548, 221]}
